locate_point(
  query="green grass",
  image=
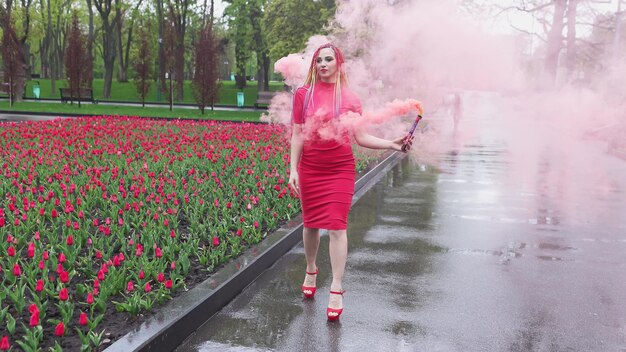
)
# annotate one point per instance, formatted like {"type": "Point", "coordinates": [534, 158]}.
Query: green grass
{"type": "Point", "coordinates": [128, 92]}
{"type": "Point", "coordinates": [92, 109]}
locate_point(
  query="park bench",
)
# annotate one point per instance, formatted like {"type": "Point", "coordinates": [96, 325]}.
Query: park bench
{"type": "Point", "coordinates": [84, 94]}
{"type": "Point", "coordinates": [264, 98]}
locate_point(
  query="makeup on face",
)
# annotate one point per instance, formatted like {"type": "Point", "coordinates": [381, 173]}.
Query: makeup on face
{"type": "Point", "coordinates": [326, 65]}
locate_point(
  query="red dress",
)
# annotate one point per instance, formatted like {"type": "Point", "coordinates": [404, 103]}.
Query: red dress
{"type": "Point", "coordinates": [327, 168]}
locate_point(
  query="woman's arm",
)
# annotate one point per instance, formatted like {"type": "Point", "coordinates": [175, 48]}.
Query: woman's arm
{"type": "Point", "coordinates": [366, 140]}
{"type": "Point", "coordinates": [296, 151]}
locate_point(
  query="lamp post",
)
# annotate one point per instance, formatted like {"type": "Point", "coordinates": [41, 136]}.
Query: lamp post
{"type": "Point", "coordinates": [158, 91]}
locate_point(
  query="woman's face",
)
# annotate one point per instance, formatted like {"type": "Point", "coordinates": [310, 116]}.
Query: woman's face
{"type": "Point", "coordinates": [326, 64]}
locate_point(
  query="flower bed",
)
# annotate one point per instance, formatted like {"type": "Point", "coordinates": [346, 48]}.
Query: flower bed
{"type": "Point", "coordinates": [101, 219]}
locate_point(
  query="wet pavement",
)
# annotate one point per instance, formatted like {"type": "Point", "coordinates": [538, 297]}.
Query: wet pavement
{"type": "Point", "coordinates": [513, 239]}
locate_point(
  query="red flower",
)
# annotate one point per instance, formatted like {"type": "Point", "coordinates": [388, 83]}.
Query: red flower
{"type": "Point", "coordinates": [117, 261]}
{"type": "Point", "coordinates": [31, 250]}
{"type": "Point", "coordinates": [168, 284]}
{"type": "Point", "coordinates": [229, 205]}
{"type": "Point", "coordinates": [158, 253]}
{"type": "Point", "coordinates": [34, 319]}
{"type": "Point", "coordinates": [98, 254]}
{"type": "Point", "coordinates": [160, 277]}
{"type": "Point", "coordinates": [82, 320]}
{"type": "Point", "coordinates": [70, 240]}
{"type": "Point", "coordinates": [46, 256]}
{"type": "Point", "coordinates": [64, 277]}
{"type": "Point", "coordinates": [2, 225]}
{"type": "Point", "coordinates": [90, 298]}
{"type": "Point", "coordinates": [11, 251]}
{"type": "Point", "coordinates": [39, 286]}
{"type": "Point", "coordinates": [256, 224]}
{"type": "Point", "coordinates": [166, 223]}
{"type": "Point", "coordinates": [141, 274]}
{"type": "Point", "coordinates": [17, 270]}
{"type": "Point", "coordinates": [239, 232]}
{"type": "Point", "coordinates": [4, 344]}
{"type": "Point", "coordinates": [101, 275]}
{"type": "Point", "coordinates": [63, 294]}
{"type": "Point", "coordinates": [173, 265]}
{"type": "Point", "coordinates": [130, 286]}
{"type": "Point", "coordinates": [54, 213]}
{"type": "Point", "coordinates": [61, 258]}
{"type": "Point", "coordinates": [33, 308]}
{"type": "Point", "coordinates": [60, 329]}
{"type": "Point", "coordinates": [147, 288]}
{"type": "Point", "coordinates": [216, 241]}
{"type": "Point", "coordinates": [42, 265]}
{"type": "Point", "coordinates": [172, 234]}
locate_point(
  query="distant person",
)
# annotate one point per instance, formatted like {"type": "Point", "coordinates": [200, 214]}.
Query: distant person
{"type": "Point", "coordinates": [323, 170]}
{"type": "Point", "coordinates": [457, 109]}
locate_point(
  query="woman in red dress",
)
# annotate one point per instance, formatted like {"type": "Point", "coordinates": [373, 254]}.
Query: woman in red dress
{"type": "Point", "coordinates": [323, 167]}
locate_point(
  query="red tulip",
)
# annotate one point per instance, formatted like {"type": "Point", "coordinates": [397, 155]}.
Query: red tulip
{"type": "Point", "coordinates": [130, 286]}
{"type": "Point", "coordinates": [172, 234]}
{"type": "Point", "coordinates": [62, 258]}
{"type": "Point", "coordinates": [90, 298]}
{"type": "Point", "coordinates": [64, 277]}
{"type": "Point", "coordinates": [166, 223]}
{"type": "Point", "coordinates": [39, 286]}
{"type": "Point", "coordinates": [60, 329]}
{"type": "Point", "coordinates": [173, 265]}
{"type": "Point", "coordinates": [216, 241]}
{"type": "Point", "coordinates": [98, 254]}
{"type": "Point", "coordinates": [147, 288]}
{"type": "Point", "coordinates": [46, 256]}
{"type": "Point", "coordinates": [256, 224]}
{"type": "Point", "coordinates": [239, 232]}
{"type": "Point", "coordinates": [141, 274]}
{"type": "Point", "coordinates": [160, 277]}
{"type": "Point", "coordinates": [70, 240]}
{"type": "Point", "coordinates": [42, 265]}
{"type": "Point", "coordinates": [33, 308]}
{"type": "Point", "coordinates": [63, 296]}
{"type": "Point", "coordinates": [158, 253]}
{"type": "Point", "coordinates": [2, 225]}
{"type": "Point", "coordinates": [37, 236]}
{"type": "Point", "coordinates": [17, 270]}
{"type": "Point", "coordinates": [54, 213]}
{"type": "Point", "coordinates": [34, 319]}
{"type": "Point", "coordinates": [4, 344]}
{"type": "Point", "coordinates": [82, 320]}
{"type": "Point", "coordinates": [168, 284]}
{"type": "Point", "coordinates": [11, 251]}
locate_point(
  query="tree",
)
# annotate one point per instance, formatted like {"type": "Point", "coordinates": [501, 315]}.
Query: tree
{"type": "Point", "coordinates": [14, 67]}
{"type": "Point", "coordinates": [105, 9]}
{"type": "Point", "coordinates": [205, 75]}
{"type": "Point", "coordinates": [143, 66]}
{"type": "Point", "coordinates": [77, 64]}
{"type": "Point", "coordinates": [179, 13]}
{"type": "Point", "coordinates": [241, 33]}
{"type": "Point", "coordinates": [288, 24]}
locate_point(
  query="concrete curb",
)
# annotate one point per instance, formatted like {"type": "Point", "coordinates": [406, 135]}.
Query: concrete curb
{"type": "Point", "coordinates": [182, 316]}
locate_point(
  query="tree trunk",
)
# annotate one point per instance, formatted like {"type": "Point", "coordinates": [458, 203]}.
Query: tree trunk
{"type": "Point", "coordinates": [555, 38]}
{"type": "Point", "coordinates": [90, 39]}
{"type": "Point", "coordinates": [52, 50]}
{"type": "Point", "coordinates": [109, 58]}
{"type": "Point", "coordinates": [570, 59]}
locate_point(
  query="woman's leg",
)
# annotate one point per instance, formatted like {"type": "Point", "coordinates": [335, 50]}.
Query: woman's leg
{"type": "Point", "coordinates": [338, 255]}
{"type": "Point", "coordinates": [311, 239]}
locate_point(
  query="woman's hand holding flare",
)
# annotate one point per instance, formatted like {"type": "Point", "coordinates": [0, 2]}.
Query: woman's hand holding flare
{"type": "Point", "coordinates": [399, 142]}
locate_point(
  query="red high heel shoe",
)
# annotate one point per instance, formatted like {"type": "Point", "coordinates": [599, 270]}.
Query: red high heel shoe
{"type": "Point", "coordinates": [332, 313]}
{"type": "Point", "coordinates": [309, 291]}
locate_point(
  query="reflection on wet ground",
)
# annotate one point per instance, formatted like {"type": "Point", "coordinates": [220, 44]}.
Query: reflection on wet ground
{"type": "Point", "coordinates": [485, 252]}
